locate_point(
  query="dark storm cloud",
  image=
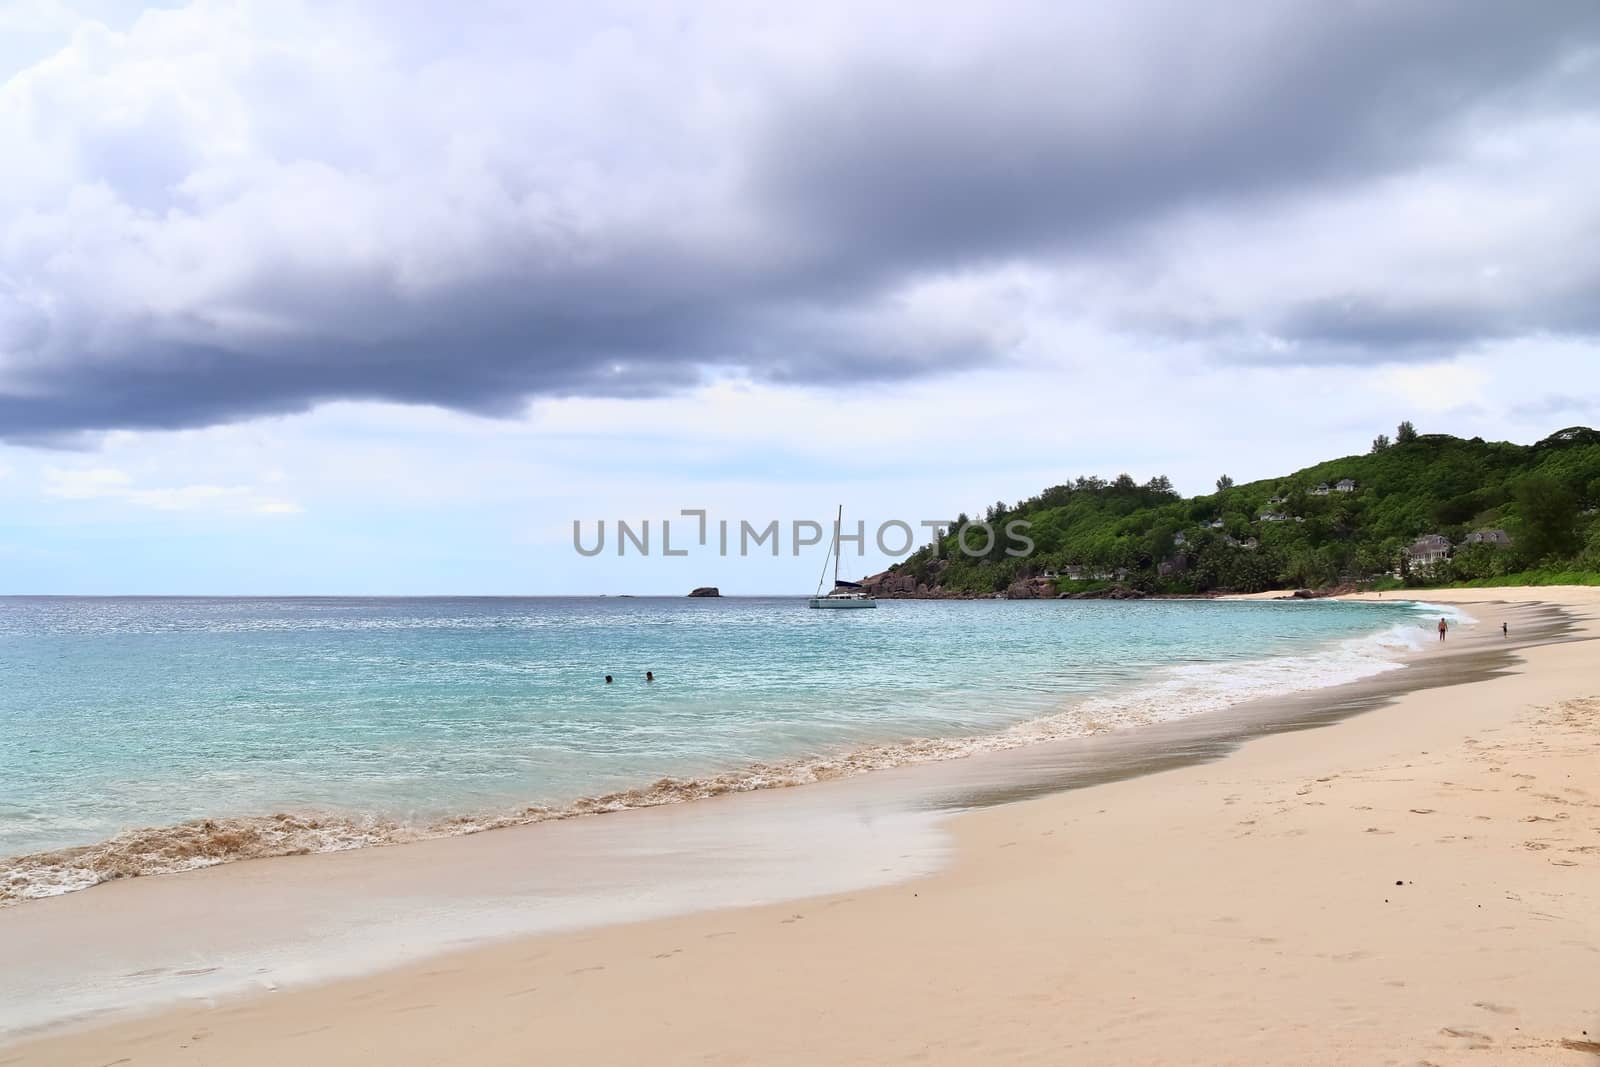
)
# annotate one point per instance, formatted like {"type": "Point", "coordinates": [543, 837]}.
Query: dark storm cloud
{"type": "Point", "coordinates": [1010, 154]}
{"type": "Point", "coordinates": [1058, 137]}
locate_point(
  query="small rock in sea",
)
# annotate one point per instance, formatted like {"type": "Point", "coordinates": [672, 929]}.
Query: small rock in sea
{"type": "Point", "coordinates": [705, 590]}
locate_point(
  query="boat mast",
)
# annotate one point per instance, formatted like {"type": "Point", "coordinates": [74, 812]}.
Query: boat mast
{"type": "Point", "coordinates": [838, 525]}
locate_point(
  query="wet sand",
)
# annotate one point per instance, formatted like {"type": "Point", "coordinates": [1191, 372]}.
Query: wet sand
{"type": "Point", "coordinates": [1216, 891]}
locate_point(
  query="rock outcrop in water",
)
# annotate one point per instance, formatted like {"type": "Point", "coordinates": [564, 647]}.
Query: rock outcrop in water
{"type": "Point", "coordinates": [705, 590]}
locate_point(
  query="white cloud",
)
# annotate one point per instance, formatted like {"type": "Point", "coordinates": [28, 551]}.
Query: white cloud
{"type": "Point", "coordinates": [109, 483]}
{"type": "Point", "coordinates": [1437, 387]}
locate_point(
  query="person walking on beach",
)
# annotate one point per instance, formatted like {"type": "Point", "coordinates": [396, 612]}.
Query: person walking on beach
{"type": "Point", "coordinates": [1443, 626]}
{"type": "Point", "coordinates": [1505, 629]}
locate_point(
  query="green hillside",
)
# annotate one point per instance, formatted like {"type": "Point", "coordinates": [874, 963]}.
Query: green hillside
{"type": "Point", "coordinates": [1284, 532]}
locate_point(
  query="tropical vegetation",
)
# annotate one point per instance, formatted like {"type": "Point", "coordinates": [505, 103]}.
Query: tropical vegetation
{"type": "Point", "coordinates": [1345, 520]}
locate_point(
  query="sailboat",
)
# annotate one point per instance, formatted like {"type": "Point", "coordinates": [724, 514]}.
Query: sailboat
{"type": "Point", "coordinates": [845, 594]}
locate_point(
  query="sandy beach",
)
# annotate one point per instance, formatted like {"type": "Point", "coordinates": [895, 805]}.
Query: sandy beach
{"type": "Point", "coordinates": [1416, 884]}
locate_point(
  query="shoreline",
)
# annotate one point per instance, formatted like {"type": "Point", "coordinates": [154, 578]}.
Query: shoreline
{"type": "Point", "coordinates": [211, 840]}
{"type": "Point", "coordinates": [483, 966]}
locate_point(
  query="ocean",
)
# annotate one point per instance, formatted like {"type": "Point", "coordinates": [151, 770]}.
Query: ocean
{"type": "Point", "coordinates": [143, 735]}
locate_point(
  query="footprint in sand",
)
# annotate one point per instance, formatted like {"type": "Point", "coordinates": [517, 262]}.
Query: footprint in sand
{"type": "Point", "coordinates": [1478, 1040]}
{"type": "Point", "coordinates": [1498, 1009]}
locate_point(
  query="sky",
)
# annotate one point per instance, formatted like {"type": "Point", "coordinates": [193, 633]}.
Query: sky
{"type": "Point", "coordinates": [362, 297]}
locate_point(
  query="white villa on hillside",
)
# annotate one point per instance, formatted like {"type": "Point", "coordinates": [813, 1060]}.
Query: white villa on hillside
{"type": "Point", "coordinates": [1428, 550]}
{"type": "Point", "coordinates": [1079, 573]}
{"type": "Point", "coordinates": [1321, 490]}
{"type": "Point", "coordinates": [1346, 485]}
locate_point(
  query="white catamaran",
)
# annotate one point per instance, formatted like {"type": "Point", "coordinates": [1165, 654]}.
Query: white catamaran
{"type": "Point", "coordinates": [845, 594]}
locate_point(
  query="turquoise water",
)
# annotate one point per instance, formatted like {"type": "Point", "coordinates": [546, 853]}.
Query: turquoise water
{"type": "Point", "coordinates": [383, 716]}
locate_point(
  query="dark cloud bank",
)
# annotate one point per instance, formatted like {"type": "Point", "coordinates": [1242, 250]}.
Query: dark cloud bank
{"type": "Point", "coordinates": [1048, 143]}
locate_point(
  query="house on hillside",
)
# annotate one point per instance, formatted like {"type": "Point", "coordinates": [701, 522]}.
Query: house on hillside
{"type": "Point", "coordinates": [1428, 551]}
{"type": "Point", "coordinates": [1274, 516]}
{"type": "Point", "coordinates": [1216, 524]}
{"type": "Point", "coordinates": [1497, 537]}
{"type": "Point", "coordinates": [1079, 573]}
{"type": "Point", "coordinates": [1345, 485]}
{"type": "Point", "coordinates": [1321, 490]}
{"type": "Point", "coordinates": [1179, 540]}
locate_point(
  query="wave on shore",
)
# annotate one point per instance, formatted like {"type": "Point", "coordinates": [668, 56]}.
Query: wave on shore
{"type": "Point", "coordinates": [1177, 692]}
